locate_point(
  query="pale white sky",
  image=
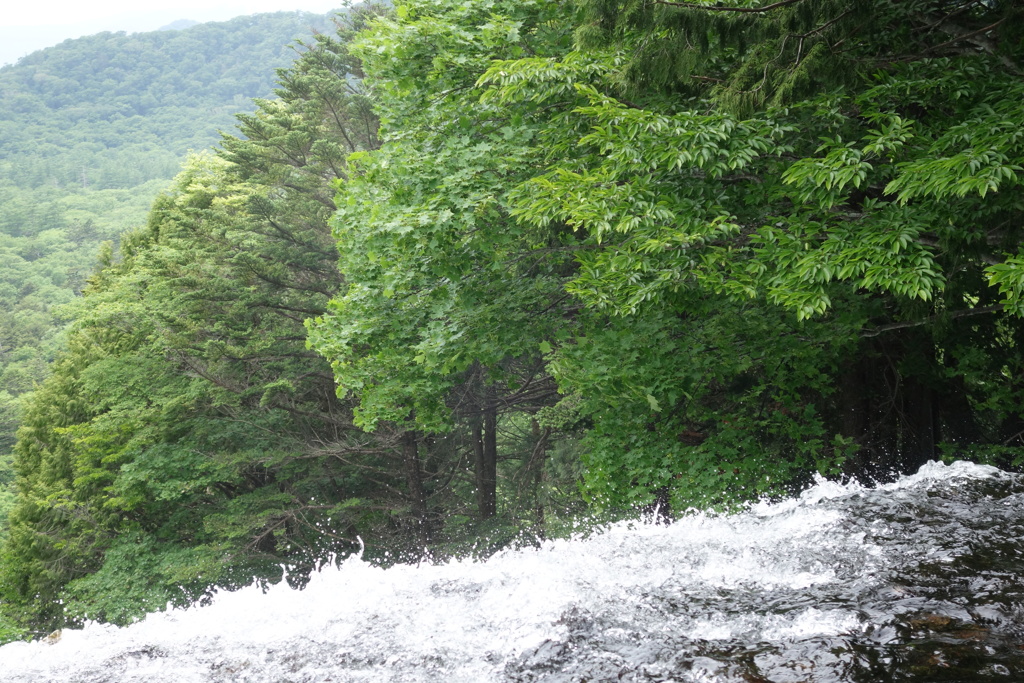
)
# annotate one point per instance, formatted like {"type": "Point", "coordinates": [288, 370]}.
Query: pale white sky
{"type": "Point", "coordinates": [30, 25]}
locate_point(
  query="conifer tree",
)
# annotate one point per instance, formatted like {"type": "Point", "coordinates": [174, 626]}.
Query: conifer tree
{"type": "Point", "coordinates": [187, 438]}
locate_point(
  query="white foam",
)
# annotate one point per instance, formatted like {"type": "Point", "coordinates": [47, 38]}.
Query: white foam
{"type": "Point", "coordinates": [463, 620]}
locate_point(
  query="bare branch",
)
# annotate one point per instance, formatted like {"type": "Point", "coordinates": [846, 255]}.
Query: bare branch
{"type": "Point", "coordinates": [713, 8]}
{"type": "Point", "coordinates": [981, 310]}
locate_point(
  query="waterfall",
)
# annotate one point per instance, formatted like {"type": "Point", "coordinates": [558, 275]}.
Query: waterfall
{"type": "Point", "coordinates": [922, 579]}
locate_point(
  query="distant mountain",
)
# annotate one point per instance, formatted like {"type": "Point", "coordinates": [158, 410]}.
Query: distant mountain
{"type": "Point", "coordinates": [178, 25]}
{"type": "Point", "coordinates": [89, 110]}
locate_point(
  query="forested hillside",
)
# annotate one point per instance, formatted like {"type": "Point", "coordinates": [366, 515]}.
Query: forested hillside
{"type": "Point", "coordinates": [90, 131]}
{"type": "Point", "coordinates": [114, 110]}
{"type": "Point", "coordinates": [554, 258]}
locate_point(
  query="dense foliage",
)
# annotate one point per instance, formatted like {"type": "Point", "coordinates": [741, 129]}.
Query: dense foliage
{"type": "Point", "coordinates": [170, 449]}
{"type": "Point", "coordinates": [90, 131]}
{"type": "Point", "coordinates": [670, 253]}
{"type": "Point", "coordinates": [187, 438]}
{"type": "Point", "coordinates": [791, 229]}
{"type": "Point", "coordinates": [852, 164]}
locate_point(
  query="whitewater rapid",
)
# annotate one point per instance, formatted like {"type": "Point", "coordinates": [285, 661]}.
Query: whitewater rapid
{"type": "Point", "coordinates": [915, 580]}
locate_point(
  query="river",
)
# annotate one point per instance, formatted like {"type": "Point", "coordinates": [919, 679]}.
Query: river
{"type": "Point", "coordinates": [918, 580]}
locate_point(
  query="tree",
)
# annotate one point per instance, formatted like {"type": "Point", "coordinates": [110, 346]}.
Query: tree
{"type": "Point", "coordinates": [187, 439]}
{"type": "Point", "coordinates": [447, 299]}
{"type": "Point", "coordinates": [91, 131]}
{"type": "Point", "coordinates": [750, 185]}
{"type": "Point", "coordinates": [835, 159]}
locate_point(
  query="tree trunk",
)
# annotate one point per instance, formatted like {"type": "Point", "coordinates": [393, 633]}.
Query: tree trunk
{"type": "Point", "coordinates": [954, 406]}
{"type": "Point", "coordinates": [537, 460]}
{"type": "Point", "coordinates": [414, 481]}
{"type": "Point", "coordinates": [478, 463]}
{"type": "Point", "coordinates": [919, 438]}
{"type": "Point", "coordinates": [853, 407]}
{"type": "Point", "coordinates": [485, 457]}
{"type": "Point", "coordinates": [488, 478]}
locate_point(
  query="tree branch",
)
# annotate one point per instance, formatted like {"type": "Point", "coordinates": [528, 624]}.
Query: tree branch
{"type": "Point", "coordinates": [979, 39]}
{"type": "Point", "coordinates": [995, 308]}
{"type": "Point", "coordinates": [713, 8]}
{"type": "Point", "coordinates": [957, 37]}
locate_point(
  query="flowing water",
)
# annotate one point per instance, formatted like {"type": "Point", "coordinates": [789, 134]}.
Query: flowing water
{"type": "Point", "coordinates": [920, 580]}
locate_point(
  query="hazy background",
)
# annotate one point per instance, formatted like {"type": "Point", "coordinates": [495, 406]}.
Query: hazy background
{"type": "Point", "coordinates": [27, 26]}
